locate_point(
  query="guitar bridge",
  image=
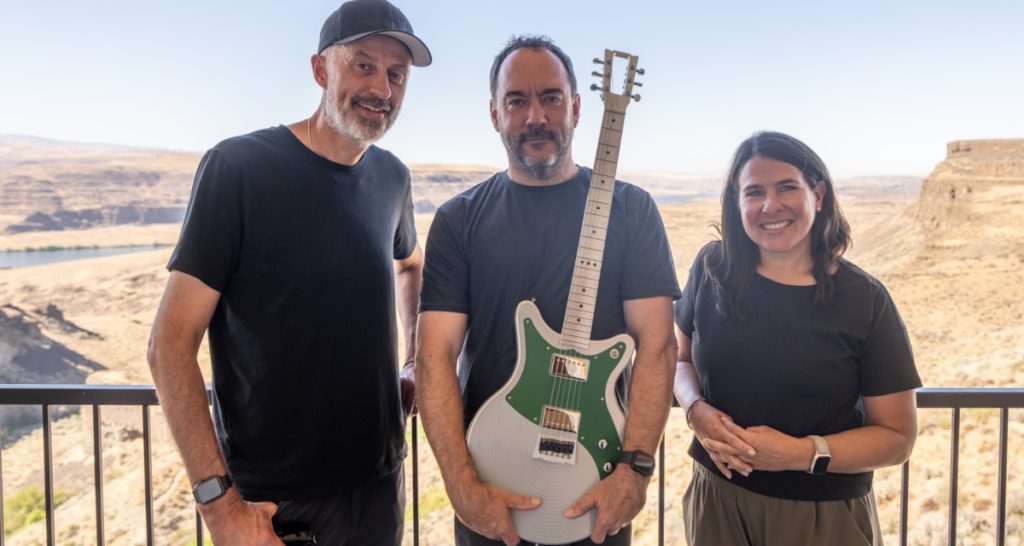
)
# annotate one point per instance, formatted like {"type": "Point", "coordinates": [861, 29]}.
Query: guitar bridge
{"type": "Point", "coordinates": [569, 367]}
{"type": "Point", "coordinates": [555, 450]}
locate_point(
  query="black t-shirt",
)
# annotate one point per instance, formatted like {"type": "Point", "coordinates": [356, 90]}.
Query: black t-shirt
{"type": "Point", "coordinates": [500, 243]}
{"type": "Point", "coordinates": [303, 340]}
{"type": "Point", "coordinates": [796, 366]}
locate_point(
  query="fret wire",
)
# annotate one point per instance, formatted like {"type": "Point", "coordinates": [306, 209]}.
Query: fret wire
{"type": "Point", "coordinates": [594, 231]}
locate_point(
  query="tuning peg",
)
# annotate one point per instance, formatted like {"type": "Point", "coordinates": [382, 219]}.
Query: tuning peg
{"type": "Point", "coordinates": [597, 74]}
{"type": "Point", "coordinates": [640, 71]}
{"type": "Point", "coordinates": [638, 84]}
{"type": "Point", "coordinates": [636, 97]}
{"type": "Point", "coordinates": [595, 87]}
{"type": "Point", "coordinates": [598, 61]}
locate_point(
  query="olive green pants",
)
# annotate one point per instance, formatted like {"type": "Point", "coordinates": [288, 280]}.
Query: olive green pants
{"type": "Point", "coordinates": [719, 513]}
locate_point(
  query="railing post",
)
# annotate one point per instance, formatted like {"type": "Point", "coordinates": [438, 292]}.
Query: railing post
{"type": "Point", "coordinates": [661, 493]}
{"type": "Point", "coordinates": [904, 501]}
{"type": "Point", "coordinates": [97, 457]}
{"type": "Point", "coordinates": [147, 466]}
{"type": "Point", "coordinates": [3, 437]}
{"type": "Point", "coordinates": [1004, 418]}
{"type": "Point", "coordinates": [48, 476]}
{"type": "Point", "coordinates": [199, 529]}
{"type": "Point", "coordinates": [954, 473]}
{"type": "Point", "coordinates": [415, 484]}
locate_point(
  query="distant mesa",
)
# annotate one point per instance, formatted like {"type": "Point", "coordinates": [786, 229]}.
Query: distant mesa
{"type": "Point", "coordinates": [976, 178]}
{"type": "Point", "coordinates": [106, 216]}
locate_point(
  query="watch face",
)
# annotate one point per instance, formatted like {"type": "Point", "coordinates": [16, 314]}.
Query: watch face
{"type": "Point", "coordinates": [821, 464]}
{"type": "Point", "coordinates": [640, 462]}
{"type": "Point", "coordinates": [208, 490]}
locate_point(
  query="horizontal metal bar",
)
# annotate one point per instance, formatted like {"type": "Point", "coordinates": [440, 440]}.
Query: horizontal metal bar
{"type": "Point", "coordinates": [970, 398]}
{"type": "Point", "coordinates": [141, 395]}
{"type": "Point", "coordinates": [107, 395]}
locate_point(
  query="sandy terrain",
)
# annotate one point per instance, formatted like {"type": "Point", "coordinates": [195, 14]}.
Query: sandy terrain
{"type": "Point", "coordinates": [959, 284]}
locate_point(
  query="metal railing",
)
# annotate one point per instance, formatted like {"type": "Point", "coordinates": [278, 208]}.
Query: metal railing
{"type": "Point", "coordinates": [96, 397]}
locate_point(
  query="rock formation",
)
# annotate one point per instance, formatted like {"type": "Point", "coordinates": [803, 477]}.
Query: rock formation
{"type": "Point", "coordinates": [976, 175]}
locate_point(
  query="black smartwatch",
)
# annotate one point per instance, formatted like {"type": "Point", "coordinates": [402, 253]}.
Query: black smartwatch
{"type": "Point", "coordinates": [641, 462]}
{"type": "Point", "coordinates": [822, 457]}
{"type": "Point", "coordinates": [211, 489]}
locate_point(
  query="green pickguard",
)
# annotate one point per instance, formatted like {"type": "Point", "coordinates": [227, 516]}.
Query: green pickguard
{"type": "Point", "coordinates": [533, 391]}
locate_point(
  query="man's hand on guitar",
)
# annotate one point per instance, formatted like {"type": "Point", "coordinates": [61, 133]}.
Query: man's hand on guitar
{"type": "Point", "coordinates": [617, 499]}
{"type": "Point", "coordinates": [485, 508]}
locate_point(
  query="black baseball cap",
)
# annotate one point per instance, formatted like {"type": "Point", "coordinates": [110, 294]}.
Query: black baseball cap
{"type": "Point", "coordinates": [358, 19]}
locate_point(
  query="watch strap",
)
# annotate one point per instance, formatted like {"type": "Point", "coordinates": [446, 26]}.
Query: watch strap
{"type": "Point", "coordinates": [820, 445]}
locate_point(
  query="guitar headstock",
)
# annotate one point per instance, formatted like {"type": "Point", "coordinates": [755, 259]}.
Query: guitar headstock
{"type": "Point", "coordinates": [617, 101]}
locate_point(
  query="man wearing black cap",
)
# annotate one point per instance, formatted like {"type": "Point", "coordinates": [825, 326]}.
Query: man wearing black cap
{"type": "Point", "coordinates": [297, 246]}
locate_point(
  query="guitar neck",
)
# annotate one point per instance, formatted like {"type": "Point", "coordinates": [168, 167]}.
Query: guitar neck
{"type": "Point", "coordinates": [579, 310]}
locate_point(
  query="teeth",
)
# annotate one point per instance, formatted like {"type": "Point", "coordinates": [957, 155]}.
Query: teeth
{"type": "Point", "coordinates": [776, 225]}
{"type": "Point", "coordinates": [375, 109]}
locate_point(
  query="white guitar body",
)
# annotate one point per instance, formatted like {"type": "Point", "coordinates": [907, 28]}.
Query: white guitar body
{"type": "Point", "coordinates": [503, 443]}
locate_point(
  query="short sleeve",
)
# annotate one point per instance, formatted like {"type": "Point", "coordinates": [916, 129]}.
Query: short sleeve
{"type": "Point", "coordinates": [887, 361]}
{"type": "Point", "coordinates": [685, 308]}
{"type": "Point", "coordinates": [446, 269]}
{"type": "Point", "coordinates": [405, 233]}
{"type": "Point", "coordinates": [648, 269]}
{"type": "Point", "coordinates": [211, 233]}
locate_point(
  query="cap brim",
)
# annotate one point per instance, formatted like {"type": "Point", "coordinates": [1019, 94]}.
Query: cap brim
{"type": "Point", "coordinates": [420, 54]}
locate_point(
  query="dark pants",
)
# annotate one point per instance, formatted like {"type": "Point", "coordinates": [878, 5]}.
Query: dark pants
{"type": "Point", "coordinates": [466, 537]}
{"type": "Point", "coordinates": [372, 515]}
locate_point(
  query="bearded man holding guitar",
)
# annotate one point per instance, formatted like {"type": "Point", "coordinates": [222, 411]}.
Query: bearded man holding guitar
{"type": "Point", "coordinates": [538, 284]}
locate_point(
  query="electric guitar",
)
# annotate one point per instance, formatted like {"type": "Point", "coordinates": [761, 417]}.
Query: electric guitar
{"type": "Point", "coordinates": [555, 429]}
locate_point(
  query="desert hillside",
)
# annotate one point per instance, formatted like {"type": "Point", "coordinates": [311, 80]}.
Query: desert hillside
{"type": "Point", "coordinates": [950, 254]}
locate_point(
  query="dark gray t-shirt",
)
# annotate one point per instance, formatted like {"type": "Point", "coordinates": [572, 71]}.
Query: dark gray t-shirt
{"type": "Point", "coordinates": [797, 367]}
{"type": "Point", "coordinates": [500, 243]}
{"type": "Point", "coordinates": [303, 340]}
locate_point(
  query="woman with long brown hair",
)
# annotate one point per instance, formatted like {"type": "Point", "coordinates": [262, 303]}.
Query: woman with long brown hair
{"type": "Point", "coordinates": [795, 368]}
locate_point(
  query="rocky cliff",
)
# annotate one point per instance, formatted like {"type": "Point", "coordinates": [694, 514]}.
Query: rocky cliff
{"type": "Point", "coordinates": [976, 176]}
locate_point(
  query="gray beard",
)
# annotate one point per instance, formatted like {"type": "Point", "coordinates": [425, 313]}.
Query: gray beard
{"type": "Point", "coordinates": [359, 130]}
{"type": "Point", "coordinates": [540, 170]}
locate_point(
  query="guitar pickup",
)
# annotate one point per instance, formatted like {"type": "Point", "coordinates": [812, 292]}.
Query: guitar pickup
{"type": "Point", "coordinates": [560, 419]}
{"type": "Point", "coordinates": [569, 367]}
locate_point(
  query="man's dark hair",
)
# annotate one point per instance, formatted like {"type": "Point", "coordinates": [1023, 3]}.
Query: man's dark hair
{"type": "Point", "coordinates": [538, 42]}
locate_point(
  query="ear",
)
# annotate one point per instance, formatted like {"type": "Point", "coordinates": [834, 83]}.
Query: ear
{"type": "Point", "coordinates": [494, 116]}
{"type": "Point", "coordinates": [319, 66]}
{"type": "Point", "coordinates": [819, 195]}
{"type": "Point", "coordinates": [575, 110]}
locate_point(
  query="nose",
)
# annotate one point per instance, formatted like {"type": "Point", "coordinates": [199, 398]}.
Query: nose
{"type": "Point", "coordinates": [380, 85]}
{"type": "Point", "coordinates": [535, 115]}
{"type": "Point", "coordinates": [771, 202]}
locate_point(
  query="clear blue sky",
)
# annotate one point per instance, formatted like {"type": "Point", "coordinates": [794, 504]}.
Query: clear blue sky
{"type": "Point", "coordinates": [875, 86]}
